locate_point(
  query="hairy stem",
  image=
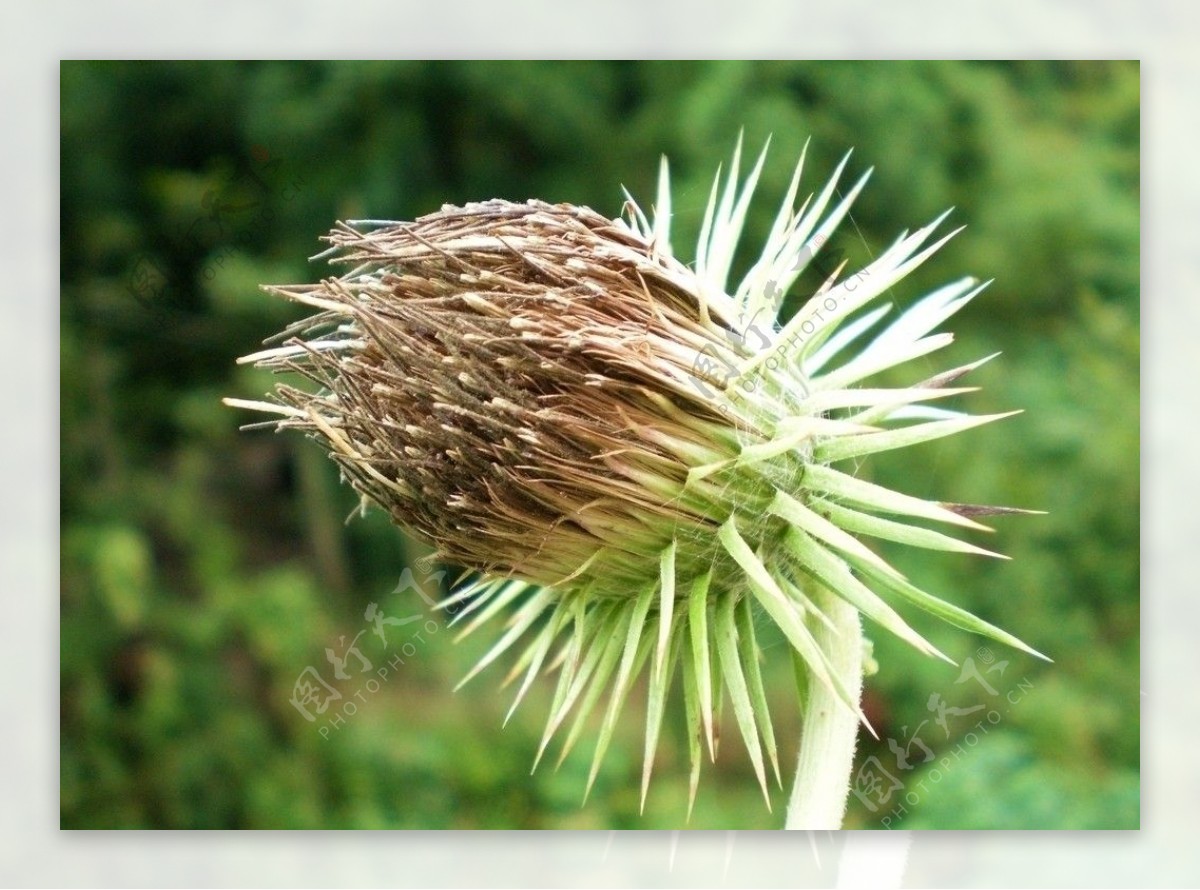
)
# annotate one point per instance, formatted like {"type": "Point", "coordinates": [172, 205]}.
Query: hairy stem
{"type": "Point", "coordinates": [830, 731]}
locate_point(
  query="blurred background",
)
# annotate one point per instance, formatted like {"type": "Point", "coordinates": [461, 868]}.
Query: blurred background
{"type": "Point", "coordinates": [206, 571]}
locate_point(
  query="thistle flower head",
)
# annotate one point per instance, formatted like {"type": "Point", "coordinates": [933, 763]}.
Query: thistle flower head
{"type": "Point", "coordinates": [630, 456]}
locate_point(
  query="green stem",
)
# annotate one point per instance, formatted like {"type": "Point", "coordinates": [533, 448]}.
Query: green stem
{"type": "Point", "coordinates": [830, 729]}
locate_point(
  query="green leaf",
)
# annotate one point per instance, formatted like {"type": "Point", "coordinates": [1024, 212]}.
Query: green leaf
{"type": "Point", "coordinates": [876, 497]}
{"type": "Point", "coordinates": [612, 648]}
{"type": "Point", "coordinates": [666, 603]}
{"type": "Point", "coordinates": [691, 707]}
{"type": "Point", "coordinates": [660, 683]}
{"type": "Point", "coordinates": [860, 397]}
{"type": "Point", "coordinates": [792, 431]}
{"type": "Point", "coordinates": [797, 514]}
{"type": "Point", "coordinates": [533, 657]}
{"type": "Point", "coordinates": [503, 595]}
{"type": "Point", "coordinates": [782, 611]}
{"type": "Point", "coordinates": [946, 611]}
{"type": "Point", "coordinates": [835, 575]}
{"type": "Point", "coordinates": [872, 443]}
{"type": "Point", "coordinates": [901, 533]}
{"type": "Point", "coordinates": [598, 642]}
{"type": "Point", "coordinates": [633, 655]}
{"type": "Point", "coordinates": [698, 627]}
{"type": "Point", "coordinates": [735, 681]}
{"type": "Point", "coordinates": [754, 680]}
{"type": "Point", "coordinates": [529, 613]}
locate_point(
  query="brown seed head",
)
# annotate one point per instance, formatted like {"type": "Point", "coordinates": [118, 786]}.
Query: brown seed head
{"type": "Point", "coordinates": [512, 382]}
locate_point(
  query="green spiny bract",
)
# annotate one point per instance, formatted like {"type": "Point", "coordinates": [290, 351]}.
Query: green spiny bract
{"type": "Point", "coordinates": [630, 457]}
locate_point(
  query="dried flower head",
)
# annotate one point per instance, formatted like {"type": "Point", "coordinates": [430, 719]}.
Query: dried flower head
{"type": "Point", "coordinates": [631, 457]}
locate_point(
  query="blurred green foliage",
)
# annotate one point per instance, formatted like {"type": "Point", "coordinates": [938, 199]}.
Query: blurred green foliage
{"type": "Point", "coordinates": [203, 568]}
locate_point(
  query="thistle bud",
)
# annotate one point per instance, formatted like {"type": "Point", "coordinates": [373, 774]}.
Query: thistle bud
{"type": "Point", "coordinates": [631, 457]}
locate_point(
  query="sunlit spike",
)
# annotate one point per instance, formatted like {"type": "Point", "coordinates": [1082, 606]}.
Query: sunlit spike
{"type": "Point", "coordinates": [864, 368]}
{"type": "Point", "coordinates": [871, 443]}
{"type": "Point", "coordinates": [876, 497]}
{"type": "Point", "coordinates": [637, 219]}
{"type": "Point", "coordinates": [666, 603]}
{"type": "Point", "coordinates": [902, 533]}
{"type": "Point", "coordinates": [835, 575]}
{"type": "Point", "coordinates": [699, 637]}
{"type": "Point", "coordinates": [829, 400]}
{"type": "Point", "coordinates": [784, 219]}
{"type": "Point", "coordinates": [948, 612]}
{"type": "Point", "coordinates": [777, 605]}
{"type": "Point", "coordinates": [662, 209]}
{"type": "Point", "coordinates": [754, 683]}
{"type": "Point", "coordinates": [694, 729]}
{"type": "Point", "coordinates": [953, 375]}
{"type": "Point", "coordinates": [503, 597]}
{"type": "Point", "coordinates": [595, 688]}
{"type": "Point", "coordinates": [790, 509]}
{"type": "Point", "coordinates": [634, 653]}
{"type": "Point", "coordinates": [706, 228]}
{"type": "Point", "coordinates": [822, 352]}
{"type": "Point", "coordinates": [735, 682]}
{"type": "Point", "coordinates": [660, 682]}
{"type": "Point", "coordinates": [540, 602]}
{"type": "Point", "coordinates": [731, 228]}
